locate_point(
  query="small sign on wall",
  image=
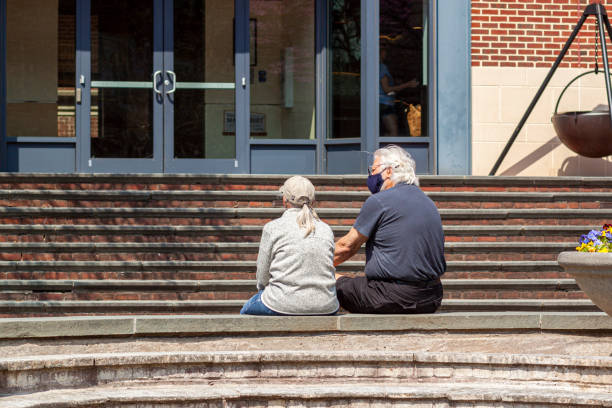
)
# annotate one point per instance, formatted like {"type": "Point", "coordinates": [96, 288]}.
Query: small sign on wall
{"type": "Point", "coordinates": [258, 123]}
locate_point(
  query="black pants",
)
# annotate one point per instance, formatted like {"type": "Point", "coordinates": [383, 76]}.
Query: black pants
{"type": "Point", "coordinates": [361, 295]}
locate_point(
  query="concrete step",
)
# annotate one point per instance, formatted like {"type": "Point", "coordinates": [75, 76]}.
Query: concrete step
{"type": "Point", "coordinates": [242, 289]}
{"type": "Point", "coordinates": [560, 199]}
{"type": "Point", "coordinates": [249, 285]}
{"type": "Point", "coordinates": [206, 251]}
{"type": "Point", "coordinates": [204, 270]}
{"type": "Point", "coordinates": [252, 233]}
{"type": "Point", "coordinates": [248, 247]}
{"type": "Point", "coordinates": [279, 394]}
{"type": "Point", "coordinates": [365, 374]}
{"type": "Point", "coordinates": [269, 213]}
{"type": "Point", "coordinates": [135, 181]}
{"type": "Point", "coordinates": [78, 307]}
{"type": "Point", "coordinates": [138, 326]}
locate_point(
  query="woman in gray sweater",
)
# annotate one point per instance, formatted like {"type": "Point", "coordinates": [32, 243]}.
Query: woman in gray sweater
{"type": "Point", "coordinates": [295, 269]}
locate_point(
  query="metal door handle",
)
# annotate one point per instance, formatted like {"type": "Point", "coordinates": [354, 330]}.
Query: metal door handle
{"type": "Point", "coordinates": [173, 75]}
{"type": "Point", "coordinates": [155, 74]}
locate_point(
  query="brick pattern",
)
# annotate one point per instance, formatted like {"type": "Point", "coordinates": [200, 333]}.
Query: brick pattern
{"type": "Point", "coordinates": [531, 33]}
{"type": "Point", "coordinates": [465, 261]}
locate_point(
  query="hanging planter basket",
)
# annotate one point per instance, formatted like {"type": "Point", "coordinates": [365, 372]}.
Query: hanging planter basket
{"type": "Point", "coordinates": [588, 133]}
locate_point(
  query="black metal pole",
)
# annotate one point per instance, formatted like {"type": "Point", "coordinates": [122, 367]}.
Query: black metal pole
{"type": "Point", "coordinates": [604, 54]}
{"type": "Point", "coordinates": [607, 23]}
{"type": "Point", "coordinates": [538, 94]}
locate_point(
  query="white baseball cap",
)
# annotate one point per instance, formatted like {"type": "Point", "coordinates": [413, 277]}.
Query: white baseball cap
{"type": "Point", "coordinates": [298, 190]}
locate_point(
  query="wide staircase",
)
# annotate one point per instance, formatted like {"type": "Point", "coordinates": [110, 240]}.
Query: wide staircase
{"type": "Point", "coordinates": [123, 291]}
{"type": "Point", "coordinates": [185, 244]}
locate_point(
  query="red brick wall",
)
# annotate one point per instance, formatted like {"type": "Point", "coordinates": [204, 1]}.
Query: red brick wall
{"type": "Point", "coordinates": [531, 33]}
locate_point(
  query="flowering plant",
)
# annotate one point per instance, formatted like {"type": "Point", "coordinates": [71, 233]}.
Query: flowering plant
{"type": "Point", "coordinates": [597, 240]}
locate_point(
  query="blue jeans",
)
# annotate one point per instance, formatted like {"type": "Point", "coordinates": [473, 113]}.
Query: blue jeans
{"type": "Point", "coordinates": [254, 306]}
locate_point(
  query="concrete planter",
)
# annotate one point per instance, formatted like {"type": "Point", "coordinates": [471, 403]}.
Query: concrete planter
{"type": "Point", "coordinates": [593, 273]}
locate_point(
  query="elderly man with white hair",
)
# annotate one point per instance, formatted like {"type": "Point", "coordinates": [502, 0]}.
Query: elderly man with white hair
{"type": "Point", "coordinates": [404, 240]}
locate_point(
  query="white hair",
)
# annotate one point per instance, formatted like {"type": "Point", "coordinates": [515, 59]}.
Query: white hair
{"type": "Point", "coordinates": [306, 219]}
{"type": "Point", "coordinates": [400, 161]}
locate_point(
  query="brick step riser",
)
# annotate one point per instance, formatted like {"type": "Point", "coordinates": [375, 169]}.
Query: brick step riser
{"type": "Point", "coordinates": [85, 237]}
{"type": "Point", "coordinates": [467, 203]}
{"type": "Point", "coordinates": [229, 295]}
{"type": "Point", "coordinates": [213, 187]}
{"type": "Point", "coordinates": [188, 220]}
{"type": "Point", "coordinates": [183, 275]}
{"type": "Point", "coordinates": [358, 184]}
{"type": "Point", "coordinates": [134, 255]}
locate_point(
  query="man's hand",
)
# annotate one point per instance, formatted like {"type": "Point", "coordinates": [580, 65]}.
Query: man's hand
{"type": "Point", "coordinates": [348, 245]}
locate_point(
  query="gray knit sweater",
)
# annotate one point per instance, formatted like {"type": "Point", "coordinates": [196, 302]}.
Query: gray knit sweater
{"type": "Point", "coordinates": [297, 272]}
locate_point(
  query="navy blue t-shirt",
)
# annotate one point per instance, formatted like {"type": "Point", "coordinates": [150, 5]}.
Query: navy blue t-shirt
{"type": "Point", "coordinates": [405, 235]}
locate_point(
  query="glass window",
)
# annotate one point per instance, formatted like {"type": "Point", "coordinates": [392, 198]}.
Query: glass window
{"type": "Point", "coordinates": [203, 53]}
{"type": "Point", "coordinates": [121, 51]}
{"type": "Point", "coordinates": [40, 68]}
{"type": "Point", "coordinates": [282, 52]}
{"type": "Point", "coordinates": [345, 61]}
{"type": "Point", "coordinates": [403, 68]}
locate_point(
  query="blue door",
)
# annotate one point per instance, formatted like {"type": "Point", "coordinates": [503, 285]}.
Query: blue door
{"type": "Point", "coordinates": [158, 81]}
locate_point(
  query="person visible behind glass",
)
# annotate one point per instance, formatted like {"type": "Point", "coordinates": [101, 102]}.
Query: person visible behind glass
{"type": "Point", "coordinates": [295, 270]}
{"type": "Point", "coordinates": [387, 91]}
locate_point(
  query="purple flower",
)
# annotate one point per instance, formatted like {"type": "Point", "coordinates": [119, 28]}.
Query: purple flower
{"type": "Point", "coordinates": [593, 235]}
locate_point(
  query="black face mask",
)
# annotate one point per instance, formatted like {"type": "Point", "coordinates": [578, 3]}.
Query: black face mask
{"type": "Point", "coordinates": [375, 182]}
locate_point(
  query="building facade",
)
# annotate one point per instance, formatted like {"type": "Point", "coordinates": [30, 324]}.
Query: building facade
{"type": "Point", "coordinates": [216, 86]}
{"type": "Point", "coordinates": [514, 45]}
{"type": "Point", "coordinates": [289, 86]}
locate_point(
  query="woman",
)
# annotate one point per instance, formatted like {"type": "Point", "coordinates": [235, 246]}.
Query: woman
{"type": "Point", "coordinates": [295, 270]}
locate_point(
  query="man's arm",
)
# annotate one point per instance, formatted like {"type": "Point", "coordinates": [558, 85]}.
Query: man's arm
{"type": "Point", "coordinates": [348, 245]}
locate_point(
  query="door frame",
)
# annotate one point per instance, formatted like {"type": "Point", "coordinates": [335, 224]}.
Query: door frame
{"type": "Point", "coordinates": [85, 163]}
{"type": "Point", "coordinates": [239, 164]}
{"type": "Point", "coordinates": [163, 136]}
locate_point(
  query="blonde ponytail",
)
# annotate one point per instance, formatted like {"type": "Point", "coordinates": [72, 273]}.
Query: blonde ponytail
{"type": "Point", "coordinates": [306, 219]}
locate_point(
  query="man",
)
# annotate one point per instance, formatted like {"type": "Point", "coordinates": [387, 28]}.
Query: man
{"type": "Point", "coordinates": [404, 243]}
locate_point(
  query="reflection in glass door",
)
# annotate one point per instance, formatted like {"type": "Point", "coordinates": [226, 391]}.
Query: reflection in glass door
{"type": "Point", "coordinates": [124, 77]}
{"type": "Point", "coordinates": [199, 65]}
{"type": "Point", "coordinates": [162, 94]}
{"type": "Point", "coordinates": [403, 68]}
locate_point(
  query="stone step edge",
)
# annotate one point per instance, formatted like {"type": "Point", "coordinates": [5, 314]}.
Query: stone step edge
{"type": "Point", "coordinates": [224, 212]}
{"type": "Point", "coordinates": [17, 307]}
{"type": "Point", "coordinates": [278, 179]}
{"type": "Point", "coordinates": [144, 266]}
{"type": "Point", "coordinates": [281, 395]}
{"type": "Point", "coordinates": [68, 285]}
{"type": "Point", "coordinates": [269, 195]}
{"type": "Point", "coordinates": [253, 247]}
{"type": "Point", "coordinates": [574, 230]}
{"type": "Point", "coordinates": [50, 362]}
{"type": "Point", "coordinates": [204, 325]}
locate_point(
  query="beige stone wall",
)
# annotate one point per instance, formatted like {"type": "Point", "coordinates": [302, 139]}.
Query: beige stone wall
{"type": "Point", "coordinates": [500, 96]}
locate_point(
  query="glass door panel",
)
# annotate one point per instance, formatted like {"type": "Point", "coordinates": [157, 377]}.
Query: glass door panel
{"type": "Point", "coordinates": [282, 59]}
{"type": "Point", "coordinates": [345, 67]}
{"type": "Point", "coordinates": [403, 86]}
{"type": "Point", "coordinates": [123, 80]}
{"type": "Point", "coordinates": [201, 67]}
